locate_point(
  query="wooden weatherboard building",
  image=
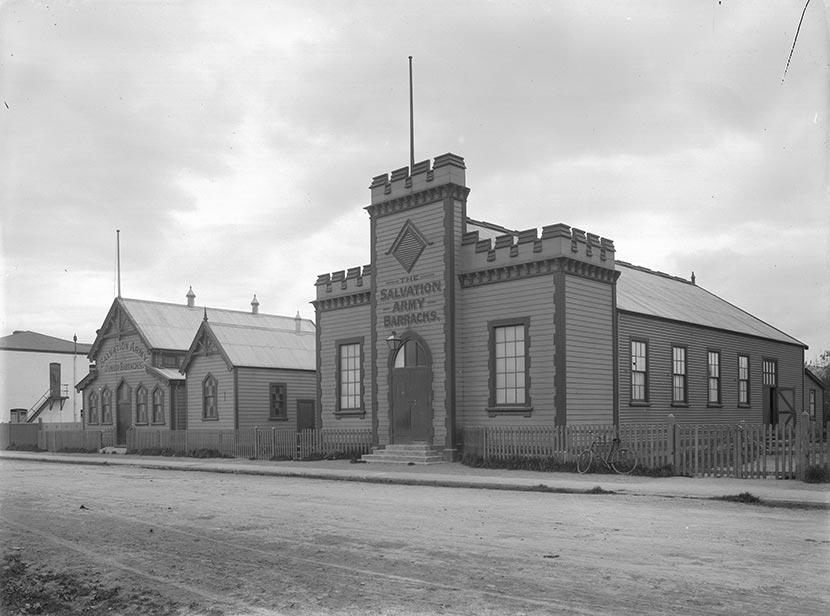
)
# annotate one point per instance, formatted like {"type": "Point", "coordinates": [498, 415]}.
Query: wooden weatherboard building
{"type": "Point", "coordinates": [157, 365]}
{"type": "Point", "coordinates": [458, 322]}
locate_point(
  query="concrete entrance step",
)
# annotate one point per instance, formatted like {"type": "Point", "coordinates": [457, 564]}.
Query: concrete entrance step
{"type": "Point", "coordinates": [410, 453]}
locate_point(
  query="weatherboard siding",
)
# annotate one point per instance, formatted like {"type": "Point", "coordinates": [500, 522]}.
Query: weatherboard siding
{"type": "Point", "coordinates": [334, 326]}
{"type": "Point", "coordinates": [589, 351]}
{"type": "Point", "coordinates": [530, 298]}
{"type": "Point", "coordinates": [254, 393]}
{"type": "Point", "coordinates": [662, 335]}
{"type": "Point", "coordinates": [197, 371]}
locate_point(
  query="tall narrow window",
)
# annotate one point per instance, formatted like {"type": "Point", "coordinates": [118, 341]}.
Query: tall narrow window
{"type": "Point", "coordinates": [714, 377]}
{"type": "Point", "coordinates": [141, 405]}
{"type": "Point", "coordinates": [106, 406]}
{"type": "Point", "coordinates": [639, 371]}
{"type": "Point", "coordinates": [770, 372]}
{"type": "Point", "coordinates": [209, 410]}
{"type": "Point", "coordinates": [92, 417]}
{"type": "Point", "coordinates": [743, 380]}
{"type": "Point", "coordinates": [278, 403]}
{"type": "Point", "coordinates": [349, 380]}
{"type": "Point", "coordinates": [678, 394]}
{"type": "Point", "coordinates": [158, 406]}
{"type": "Point", "coordinates": [812, 404]}
{"type": "Point", "coordinates": [509, 379]}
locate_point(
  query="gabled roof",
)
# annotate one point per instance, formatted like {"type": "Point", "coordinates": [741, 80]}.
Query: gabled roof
{"type": "Point", "coordinates": [41, 343]}
{"type": "Point", "coordinates": [259, 346]}
{"type": "Point", "coordinates": [650, 293]}
{"type": "Point", "coordinates": [172, 326]}
{"type": "Point", "coordinates": [813, 377]}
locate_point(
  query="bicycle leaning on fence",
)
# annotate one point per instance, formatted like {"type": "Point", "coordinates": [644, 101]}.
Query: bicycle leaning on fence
{"type": "Point", "coordinates": [616, 457]}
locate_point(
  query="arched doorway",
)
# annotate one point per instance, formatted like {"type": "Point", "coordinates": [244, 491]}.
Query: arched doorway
{"type": "Point", "coordinates": [411, 388]}
{"type": "Point", "coordinates": [123, 414]}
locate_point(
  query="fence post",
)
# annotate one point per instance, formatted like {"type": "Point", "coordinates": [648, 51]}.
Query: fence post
{"type": "Point", "coordinates": [672, 437]}
{"type": "Point", "coordinates": [802, 445]}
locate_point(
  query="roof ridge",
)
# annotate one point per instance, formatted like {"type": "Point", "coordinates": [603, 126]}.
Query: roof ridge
{"type": "Point", "coordinates": [195, 308]}
{"type": "Point", "coordinates": [655, 272]}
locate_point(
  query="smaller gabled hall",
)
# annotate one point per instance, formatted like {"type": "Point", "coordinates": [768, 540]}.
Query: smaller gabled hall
{"type": "Point", "coordinates": [458, 322]}
{"type": "Point", "coordinates": [157, 365]}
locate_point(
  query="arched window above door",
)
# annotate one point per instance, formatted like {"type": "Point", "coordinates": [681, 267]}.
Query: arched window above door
{"type": "Point", "coordinates": [410, 355]}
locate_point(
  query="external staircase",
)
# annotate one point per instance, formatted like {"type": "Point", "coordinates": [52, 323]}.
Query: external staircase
{"type": "Point", "coordinates": [411, 453]}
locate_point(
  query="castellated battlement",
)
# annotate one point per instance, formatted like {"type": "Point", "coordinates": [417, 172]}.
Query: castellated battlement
{"type": "Point", "coordinates": [446, 169]}
{"type": "Point", "coordinates": [345, 282]}
{"type": "Point", "coordinates": [557, 240]}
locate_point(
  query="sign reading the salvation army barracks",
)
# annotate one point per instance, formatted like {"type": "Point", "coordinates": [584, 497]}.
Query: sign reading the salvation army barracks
{"type": "Point", "coordinates": [408, 301]}
{"type": "Point", "coordinates": [124, 356]}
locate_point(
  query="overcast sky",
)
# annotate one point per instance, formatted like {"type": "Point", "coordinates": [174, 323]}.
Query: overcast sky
{"type": "Point", "coordinates": [233, 143]}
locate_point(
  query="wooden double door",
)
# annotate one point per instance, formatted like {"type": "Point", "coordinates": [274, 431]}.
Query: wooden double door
{"type": "Point", "coordinates": [411, 386]}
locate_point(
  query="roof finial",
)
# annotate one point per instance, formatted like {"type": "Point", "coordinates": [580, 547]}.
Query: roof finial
{"type": "Point", "coordinates": [693, 278]}
{"type": "Point", "coordinates": [255, 305]}
{"type": "Point", "coordinates": [206, 314]}
{"type": "Point", "coordinates": [191, 296]}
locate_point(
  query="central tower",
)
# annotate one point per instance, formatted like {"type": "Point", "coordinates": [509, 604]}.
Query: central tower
{"type": "Point", "coordinates": [417, 221]}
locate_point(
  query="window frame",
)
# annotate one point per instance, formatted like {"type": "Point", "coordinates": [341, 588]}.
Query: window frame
{"type": "Point", "coordinates": [206, 382]}
{"type": "Point", "coordinates": [715, 379]}
{"type": "Point", "coordinates": [355, 403]}
{"type": "Point", "coordinates": [744, 381]}
{"type": "Point", "coordinates": [157, 416]}
{"type": "Point", "coordinates": [632, 364]}
{"type": "Point", "coordinates": [683, 399]}
{"type": "Point", "coordinates": [494, 406]}
{"type": "Point", "coordinates": [93, 417]}
{"type": "Point", "coordinates": [141, 418]}
{"type": "Point", "coordinates": [278, 414]}
{"type": "Point", "coordinates": [106, 406]}
{"type": "Point", "coordinates": [811, 403]}
{"type": "Point", "coordinates": [773, 363]}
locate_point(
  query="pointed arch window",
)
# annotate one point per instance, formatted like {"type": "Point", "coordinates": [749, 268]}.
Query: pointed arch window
{"type": "Point", "coordinates": [158, 406]}
{"type": "Point", "coordinates": [92, 417]}
{"type": "Point", "coordinates": [141, 405]}
{"type": "Point", "coordinates": [106, 406]}
{"type": "Point", "coordinates": [209, 410]}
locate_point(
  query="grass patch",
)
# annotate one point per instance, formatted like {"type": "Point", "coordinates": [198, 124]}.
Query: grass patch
{"type": "Point", "coordinates": [744, 497]}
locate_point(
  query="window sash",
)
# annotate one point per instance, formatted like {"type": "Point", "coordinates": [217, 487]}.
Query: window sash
{"type": "Point", "coordinates": [209, 410]}
{"type": "Point", "coordinates": [679, 374]}
{"type": "Point", "coordinates": [158, 406]}
{"type": "Point", "coordinates": [510, 365]}
{"type": "Point", "coordinates": [713, 371]}
{"type": "Point", "coordinates": [141, 405]}
{"type": "Point", "coordinates": [639, 371]}
{"type": "Point", "coordinates": [278, 401]}
{"type": "Point", "coordinates": [743, 379]}
{"type": "Point", "coordinates": [350, 376]}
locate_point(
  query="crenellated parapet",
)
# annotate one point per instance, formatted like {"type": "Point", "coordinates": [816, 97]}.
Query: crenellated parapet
{"type": "Point", "coordinates": [407, 187]}
{"type": "Point", "coordinates": [344, 288]}
{"type": "Point", "coordinates": [531, 253]}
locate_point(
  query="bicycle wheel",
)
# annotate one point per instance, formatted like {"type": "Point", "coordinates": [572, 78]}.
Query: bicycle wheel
{"type": "Point", "coordinates": [624, 461]}
{"type": "Point", "coordinates": [584, 461]}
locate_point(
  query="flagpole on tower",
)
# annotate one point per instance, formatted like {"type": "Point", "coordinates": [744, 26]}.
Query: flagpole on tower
{"type": "Point", "coordinates": [118, 259]}
{"type": "Point", "coordinates": [411, 121]}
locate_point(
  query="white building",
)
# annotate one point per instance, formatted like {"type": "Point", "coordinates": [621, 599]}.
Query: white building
{"type": "Point", "coordinates": [37, 378]}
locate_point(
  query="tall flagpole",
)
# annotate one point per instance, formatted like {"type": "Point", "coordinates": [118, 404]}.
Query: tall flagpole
{"type": "Point", "coordinates": [411, 121]}
{"type": "Point", "coordinates": [118, 259]}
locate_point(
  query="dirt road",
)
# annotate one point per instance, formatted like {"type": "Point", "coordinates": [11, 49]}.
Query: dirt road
{"type": "Point", "coordinates": [197, 543]}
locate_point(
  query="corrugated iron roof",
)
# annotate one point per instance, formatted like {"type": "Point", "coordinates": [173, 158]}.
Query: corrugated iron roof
{"type": "Point", "coordinates": [173, 326]}
{"type": "Point", "coordinates": [264, 347]}
{"type": "Point", "coordinates": [656, 294]}
{"type": "Point", "coordinates": [41, 343]}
